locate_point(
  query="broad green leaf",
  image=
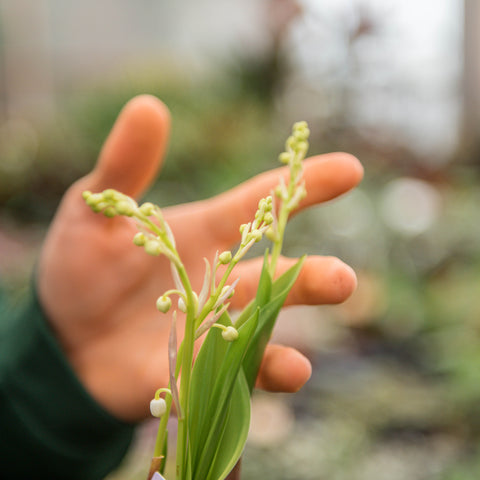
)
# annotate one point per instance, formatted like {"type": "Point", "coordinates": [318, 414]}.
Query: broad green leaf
{"type": "Point", "coordinates": [205, 372]}
{"type": "Point", "coordinates": [264, 289]}
{"type": "Point", "coordinates": [235, 431]}
{"type": "Point", "coordinates": [266, 321]}
{"type": "Point", "coordinates": [217, 436]}
{"type": "Point", "coordinates": [219, 372]}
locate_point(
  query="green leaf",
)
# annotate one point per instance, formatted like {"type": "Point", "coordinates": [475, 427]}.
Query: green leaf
{"type": "Point", "coordinates": [204, 375]}
{"type": "Point", "coordinates": [235, 431]}
{"type": "Point", "coordinates": [264, 289]}
{"type": "Point", "coordinates": [219, 403]}
{"type": "Point", "coordinates": [215, 375]}
{"type": "Point", "coordinates": [266, 321]}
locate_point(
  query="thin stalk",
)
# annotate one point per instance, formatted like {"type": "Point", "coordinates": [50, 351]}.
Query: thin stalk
{"type": "Point", "coordinates": [278, 244]}
{"type": "Point", "coordinates": [209, 304]}
{"type": "Point", "coordinates": [162, 429]}
{"type": "Point", "coordinates": [186, 370]}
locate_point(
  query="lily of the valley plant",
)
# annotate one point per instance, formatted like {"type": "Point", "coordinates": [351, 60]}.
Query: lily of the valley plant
{"type": "Point", "coordinates": [212, 394]}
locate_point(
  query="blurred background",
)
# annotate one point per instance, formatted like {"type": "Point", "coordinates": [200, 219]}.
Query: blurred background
{"type": "Point", "coordinates": [396, 383]}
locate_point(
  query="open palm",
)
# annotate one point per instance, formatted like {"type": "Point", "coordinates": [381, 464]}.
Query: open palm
{"type": "Point", "coordinates": [99, 291]}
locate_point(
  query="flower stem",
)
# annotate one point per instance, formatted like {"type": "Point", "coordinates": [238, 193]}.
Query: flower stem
{"type": "Point", "coordinates": [186, 371]}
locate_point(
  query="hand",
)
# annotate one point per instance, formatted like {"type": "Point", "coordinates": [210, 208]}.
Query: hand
{"type": "Point", "coordinates": [99, 291]}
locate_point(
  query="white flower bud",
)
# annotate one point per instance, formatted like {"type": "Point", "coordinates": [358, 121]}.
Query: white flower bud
{"type": "Point", "coordinates": [227, 292]}
{"type": "Point", "coordinates": [158, 407]}
{"type": "Point", "coordinates": [230, 334]}
{"type": "Point", "coordinates": [153, 247]}
{"type": "Point", "coordinates": [182, 305]}
{"type": "Point", "coordinates": [164, 303]}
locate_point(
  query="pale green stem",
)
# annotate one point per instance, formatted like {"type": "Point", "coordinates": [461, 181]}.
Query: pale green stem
{"type": "Point", "coordinates": [186, 370]}
{"type": "Point", "coordinates": [207, 308]}
{"type": "Point", "coordinates": [278, 244]}
{"type": "Point", "coordinates": [283, 215]}
{"type": "Point", "coordinates": [162, 429]}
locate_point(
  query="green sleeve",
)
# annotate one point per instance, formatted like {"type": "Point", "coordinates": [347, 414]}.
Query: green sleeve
{"type": "Point", "coordinates": [49, 425]}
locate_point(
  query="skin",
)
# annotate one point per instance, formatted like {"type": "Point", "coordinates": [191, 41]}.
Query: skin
{"type": "Point", "coordinates": [99, 291]}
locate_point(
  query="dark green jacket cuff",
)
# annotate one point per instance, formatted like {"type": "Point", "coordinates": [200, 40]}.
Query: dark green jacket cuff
{"type": "Point", "coordinates": [50, 427]}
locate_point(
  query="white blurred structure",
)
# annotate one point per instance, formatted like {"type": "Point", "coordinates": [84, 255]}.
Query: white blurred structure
{"type": "Point", "coordinates": [388, 66]}
{"type": "Point", "coordinates": [56, 45]}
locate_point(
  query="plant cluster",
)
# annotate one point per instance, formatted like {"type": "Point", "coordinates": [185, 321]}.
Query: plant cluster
{"type": "Point", "coordinates": [211, 396]}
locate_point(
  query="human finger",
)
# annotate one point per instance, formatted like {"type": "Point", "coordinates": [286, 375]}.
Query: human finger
{"type": "Point", "coordinates": [326, 177]}
{"type": "Point", "coordinates": [283, 369]}
{"type": "Point", "coordinates": [132, 153]}
{"type": "Point", "coordinates": [321, 281]}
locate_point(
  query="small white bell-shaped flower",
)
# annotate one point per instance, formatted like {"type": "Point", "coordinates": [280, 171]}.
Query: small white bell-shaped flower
{"type": "Point", "coordinates": [158, 407]}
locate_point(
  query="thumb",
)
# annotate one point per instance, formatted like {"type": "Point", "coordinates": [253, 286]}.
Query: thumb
{"type": "Point", "coordinates": [133, 151]}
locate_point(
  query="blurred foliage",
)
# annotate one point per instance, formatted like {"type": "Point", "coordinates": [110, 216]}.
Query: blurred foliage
{"type": "Point", "coordinates": [222, 132]}
{"type": "Point", "coordinates": [396, 381]}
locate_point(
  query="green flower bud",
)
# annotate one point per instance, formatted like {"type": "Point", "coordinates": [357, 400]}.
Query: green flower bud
{"type": "Point", "coordinates": [153, 247]}
{"type": "Point", "coordinates": [110, 211]}
{"type": "Point", "coordinates": [225, 257]}
{"type": "Point", "coordinates": [269, 204]}
{"type": "Point", "coordinates": [147, 209]}
{"type": "Point", "coordinates": [302, 135]}
{"type": "Point", "coordinates": [164, 303]}
{"type": "Point", "coordinates": [268, 218]}
{"type": "Point", "coordinates": [230, 334]}
{"type": "Point", "coordinates": [124, 208]}
{"type": "Point", "coordinates": [279, 192]}
{"type": "Point", "coordinates": [302, 146]}
{"type": "Point", "coordinates": [109, 194]}
{"type": "Point", "coordinates": [301, 125]}
{"type": "Point", "coordinates": [290, 143]}
{"type": "Point", "coordinates": [86, 194]}
{"type": "Point", "coordinates": [158, 407]}
{"type": "Point", "coordinates": [271, 234]}
{"type": "Point", "coordinates": [284, 157]}
{"type": "Point", "coordinates": [301, 131]}
{"type": "Point", "coordinates": [139, 239]}
{"type": "Point", "coordinates": [93, 200]}
{"type": "Point", "coordinates": [257, 235]}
